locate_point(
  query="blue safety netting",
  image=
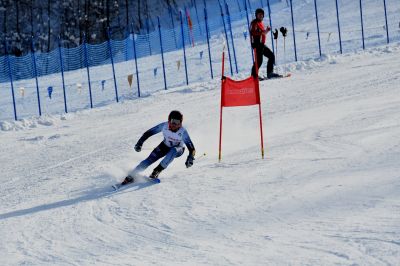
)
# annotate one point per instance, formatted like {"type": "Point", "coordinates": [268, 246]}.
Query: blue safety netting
{"type": "Point", "coordinates": [175, 53]}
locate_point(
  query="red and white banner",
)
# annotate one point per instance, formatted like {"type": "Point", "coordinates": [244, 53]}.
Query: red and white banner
{"type": "Point", "coordinates": [239, 93]}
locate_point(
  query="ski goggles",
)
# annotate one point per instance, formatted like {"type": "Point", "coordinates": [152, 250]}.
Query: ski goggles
{"type": "Point", "coordinates": [175, 122]}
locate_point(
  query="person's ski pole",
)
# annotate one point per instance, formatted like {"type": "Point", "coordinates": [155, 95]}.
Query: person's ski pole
{"type": "Point", "coordinates": [201, 156]}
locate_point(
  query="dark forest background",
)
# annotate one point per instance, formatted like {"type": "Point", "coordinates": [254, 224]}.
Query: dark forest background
{"type": "Point", "coordinates": [71, 20]}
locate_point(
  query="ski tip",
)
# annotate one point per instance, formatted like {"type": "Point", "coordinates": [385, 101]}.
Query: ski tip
{"type": "Point", "coordinates": [155, 180]}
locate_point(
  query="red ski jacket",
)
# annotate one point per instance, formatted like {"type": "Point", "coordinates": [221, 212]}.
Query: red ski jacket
{"type": "Point", "coordinates": [258, 35]}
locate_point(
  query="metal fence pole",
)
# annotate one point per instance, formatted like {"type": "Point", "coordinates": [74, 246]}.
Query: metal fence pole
{"type": "Point", "coordinates": [294, 35]}
{"type": "Point", "coordinates": [316, 18]}
{"type": "Point", "coordinates": [227, 40]}
{"type": "Point", "coordinates": [87, 69]}
{"type": "Point", "coordinates": [173, 24]}
{"type": "Point", "coordinates": [183, 45]}
{"type": "Point", "coordinates": [11, 78]}
{"type": "Point", "coordinates": [230, 30]}
{"type": "Point", "coordinates": [362, 25]}
{"type": "Point", "coordinates": [250, 8]}
{"type": "Point", "coordinates": [62, 74]}
{"type": "Point", "coordinates": [148, 34]}
{"type": "Point", "coordinates": [248, 28]}
{"type": "Point", "coordinates": [112, 64]}
{"type": "Point", "coordinates": [208, 41]}
{"type": "Point", "coordinates": [33, 56]}
{"type": "Point", "coordinates": [197, 16]}
{"type": "Point", "coordinates": [270, 24]}
{"type": "Point", "coordinates": [338, 25]}
{"type": "Point", "coordinates": [386, 21]}
{"type": "Point", "coordinates": [240, 10]}
{"type": "Point", "coordinates": [136, 64]}
{"type": "Point", "coordinates": [162, 53]}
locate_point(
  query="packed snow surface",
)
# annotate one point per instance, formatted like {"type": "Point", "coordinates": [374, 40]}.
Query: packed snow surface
{"type": "Point", "coordinates": [327, 191]}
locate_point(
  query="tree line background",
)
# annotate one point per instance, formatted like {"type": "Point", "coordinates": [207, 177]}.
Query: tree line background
{"type": "Point", "coordinates": [71, 20]}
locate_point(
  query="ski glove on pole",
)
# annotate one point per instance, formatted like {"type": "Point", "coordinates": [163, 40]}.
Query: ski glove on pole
{"type": "Point", "coordinates": [189, 161]}
{"type": "Point", "coordinates": [275, 34]}
{"type": "Point", "coordinates": [138, 147]}
{"type": "Point", "coordinates": [283, 30]}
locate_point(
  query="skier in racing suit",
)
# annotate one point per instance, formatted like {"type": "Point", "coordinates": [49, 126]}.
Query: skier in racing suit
{"type": "Point", "coordinates": [175, 136]}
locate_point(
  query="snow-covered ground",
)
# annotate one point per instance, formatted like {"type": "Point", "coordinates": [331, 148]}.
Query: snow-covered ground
{"type": "Point", "coordinates": [326, 193]}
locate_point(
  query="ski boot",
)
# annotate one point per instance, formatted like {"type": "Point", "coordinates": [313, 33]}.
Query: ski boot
{"type": "Point", "coordinates": [273, 75]}
{"type": "Point", "coordinates": [129, 179]}
{"type": "Point", "coordinates": [156, 172]}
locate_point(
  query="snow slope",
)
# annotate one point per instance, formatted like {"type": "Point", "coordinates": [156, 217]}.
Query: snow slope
{"type": "Point", "coordinates": [326, 193]}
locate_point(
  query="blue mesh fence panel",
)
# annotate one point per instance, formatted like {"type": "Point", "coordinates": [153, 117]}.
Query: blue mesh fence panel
{"type": "Point", "coordinates": [148, 50]}
{"type": "Point", "coordinates": [24, 85]}
{"type": "Point", "coordinates": [101, 75]}
{"type": "Point", "coordinates": [6, 106]}
{"type": "Point", "coordinates": [123, 54]}
{"type": "Point", "coordinates": [22, 67]}
{"type": "Point", "coordinates": [50, 84]}
{"type": "Point", "coordinates": [48, 63]}
{"type": "Point", "coordinates": [351, 34]}
{"type": "Point", "coordinates": [393, 17]}
{"type": "Point", "coordinates": [242, 39]}
{"type": "Point", "coordinates": [120, 50]}
{"type": "Point", "coordinates": [73, 58]}
{"type": "Point", "coordinates": [374, 26]}
{"type": "Point", "coordinates": [76, 82]}
{"type": "Point", "coordinates": [306, 42]}
{"type": "Point", "coordinates": [174, 61]}
{"type": "Point", "coordinates": [329, 34]}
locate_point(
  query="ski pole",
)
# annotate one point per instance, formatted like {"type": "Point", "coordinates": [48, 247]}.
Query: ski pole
{"type": "Point", "coordinates": [201, 156]}
{"type": "Point", "coordinates": [276, 45]}
{"type": "Point", "coordinates": [283, 30]}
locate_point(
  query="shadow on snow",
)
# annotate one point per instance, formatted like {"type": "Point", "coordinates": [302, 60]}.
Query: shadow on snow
{"type": "Point", "coordinates": [98, 193]}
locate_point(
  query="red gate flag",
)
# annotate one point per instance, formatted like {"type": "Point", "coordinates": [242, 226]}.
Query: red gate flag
{"type": "Point", "coordinates": [240, 92]}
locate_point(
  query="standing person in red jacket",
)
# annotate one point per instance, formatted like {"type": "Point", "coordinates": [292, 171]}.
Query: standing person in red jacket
{"type": "Point", "coordinates": [258, 34]}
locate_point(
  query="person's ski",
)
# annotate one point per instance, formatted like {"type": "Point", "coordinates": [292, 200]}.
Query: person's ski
{"type": "Point", "coordinates": [260, 78]}
{"type": "Point", "coordinates": [120, 185]}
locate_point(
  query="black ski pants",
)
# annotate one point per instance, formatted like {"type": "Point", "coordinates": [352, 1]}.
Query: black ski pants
{"type": "Point", "coordinates": [262, 51]}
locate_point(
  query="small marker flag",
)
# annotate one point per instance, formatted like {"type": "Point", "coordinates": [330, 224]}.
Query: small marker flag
{"type": "Point", "coordinates": [22, 91]}
{"type": "Point", "coordinates": [50, 91]}
{"type": "Point", "coordinates": [130, 79]}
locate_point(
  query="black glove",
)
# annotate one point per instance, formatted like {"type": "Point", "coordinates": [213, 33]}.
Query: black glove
{"type": "Point", "coordinates": [275, 34]}
{"type": "Point", "coordinates": [283, 30]}
{"type": "Point", "coordinates": [189, 161]}
{"type": "Point", "coordinates": [138, 147]}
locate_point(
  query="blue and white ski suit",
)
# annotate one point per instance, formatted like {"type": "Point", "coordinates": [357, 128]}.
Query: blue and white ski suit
{"type": "Point", "coordinates": [171, 147]}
